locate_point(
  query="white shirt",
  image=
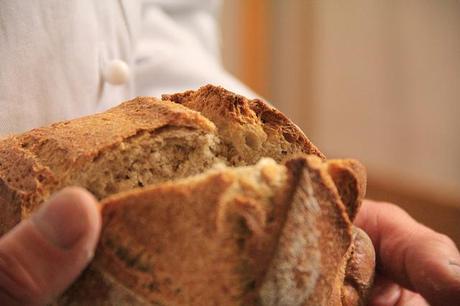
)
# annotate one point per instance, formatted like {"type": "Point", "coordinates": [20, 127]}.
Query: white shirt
{"type": "Point", "coordinates": [53, 55]}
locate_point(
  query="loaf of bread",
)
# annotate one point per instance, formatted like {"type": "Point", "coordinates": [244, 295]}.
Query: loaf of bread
{"type": "Point", "coordinates": [207, 198]}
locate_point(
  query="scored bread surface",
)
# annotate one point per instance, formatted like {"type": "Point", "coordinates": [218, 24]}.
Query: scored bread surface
{"type": "Point", "coordinates": [268, 234]}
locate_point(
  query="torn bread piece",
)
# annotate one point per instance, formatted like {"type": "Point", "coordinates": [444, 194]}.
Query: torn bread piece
{"type": "Point", "coordinates": [267, 234]}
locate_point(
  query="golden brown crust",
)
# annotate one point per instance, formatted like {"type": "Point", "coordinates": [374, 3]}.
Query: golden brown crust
{"type": "Point", "coordinates": [94, 287]}
{"type": "Point", "coordinates": [34, 163]}
{"type": "Point", "coordinates": [277, 121]}
{"type": "Point", "coordinates": [11, 214]}
{"type": "Point", "coordinates": [359, 273]}
{"type": "Point", "coordinates": [20, 182]}
{"type": "Point", "coordinates": [349, 176]}
{"type": "Point", "coordinates": [246, 122]}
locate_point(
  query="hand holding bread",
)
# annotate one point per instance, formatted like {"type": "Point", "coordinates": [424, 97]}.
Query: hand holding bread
{"type": "Point", "coordinates": [206, 198]}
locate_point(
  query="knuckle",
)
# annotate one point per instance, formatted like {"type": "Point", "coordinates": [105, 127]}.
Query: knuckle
{"type": "Point", "coordinates": [411, 298]}
{"type": "Point", "coordinates": [16, 281]}
{"type": "Point", "coordinates": [395, 209]}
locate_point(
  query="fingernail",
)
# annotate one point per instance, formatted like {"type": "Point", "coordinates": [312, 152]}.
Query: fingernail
{"type": "Point", "coordinates": [453, 263]}
{"type": "Point", "coordinates": [63, 219]}
{"type": "Point", "coordinates": [456, 267]}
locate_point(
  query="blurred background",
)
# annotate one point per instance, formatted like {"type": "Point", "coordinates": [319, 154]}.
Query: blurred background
{"type": "Point", "coordinates": [374, 80]}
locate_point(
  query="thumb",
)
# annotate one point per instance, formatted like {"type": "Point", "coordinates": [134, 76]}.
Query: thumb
{"type": "Point", "coordinates": [411, 254]}
{"type": "Point", "coordinates": [44, 254]}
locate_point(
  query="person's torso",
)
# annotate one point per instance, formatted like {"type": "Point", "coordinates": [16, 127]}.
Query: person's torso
{"type": "Point", "coordinates": [52, 54]}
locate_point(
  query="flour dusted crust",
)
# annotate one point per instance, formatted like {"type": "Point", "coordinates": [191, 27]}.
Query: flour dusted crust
{"type": "Point", "coordinates": [270, 234]}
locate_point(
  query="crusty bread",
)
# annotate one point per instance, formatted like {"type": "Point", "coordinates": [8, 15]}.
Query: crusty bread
{"type": "Point", "coordinates": [249, 129]}
{"type": "Point", "coordinates": [259, 235]}
{"type": "Point", "coordinates": [140, 142]}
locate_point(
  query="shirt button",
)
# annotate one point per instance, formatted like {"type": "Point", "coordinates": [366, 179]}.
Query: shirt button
{"type": "Point", "coordinates": [116, 72]}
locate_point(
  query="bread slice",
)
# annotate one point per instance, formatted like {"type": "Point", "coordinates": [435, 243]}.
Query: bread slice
{"type": "Point", "coordinates": [259, 235]}
{"type": "Point", "coordinates": [232, 236]}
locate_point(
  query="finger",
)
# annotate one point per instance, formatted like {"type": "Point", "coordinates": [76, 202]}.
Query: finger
{"type": "Point", "coordinates": [387, 293]}
{"type": "Point", "coordinates": [411, 254]}
{"type": "Point", "coordinates": [42, 255]}
{"type": "Point", "coordinates": [409, 298]}
{"type": "Point", "coordinates": [384, 292]}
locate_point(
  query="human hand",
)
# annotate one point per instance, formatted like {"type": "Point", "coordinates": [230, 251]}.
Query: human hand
{"type": "Point", "coordinates": [44, 254]}
{"type": "Point", "coordinates": [415, 265]}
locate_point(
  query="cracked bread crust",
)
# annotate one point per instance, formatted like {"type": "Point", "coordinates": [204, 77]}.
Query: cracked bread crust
{"type": "Point", "coordinates": [252, 127]}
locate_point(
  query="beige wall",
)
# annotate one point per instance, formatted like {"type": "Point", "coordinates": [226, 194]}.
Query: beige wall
{"type": "Point", "coordinates": [388, 74]}
{"type": "Point", "coordinates": [375, 80]}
